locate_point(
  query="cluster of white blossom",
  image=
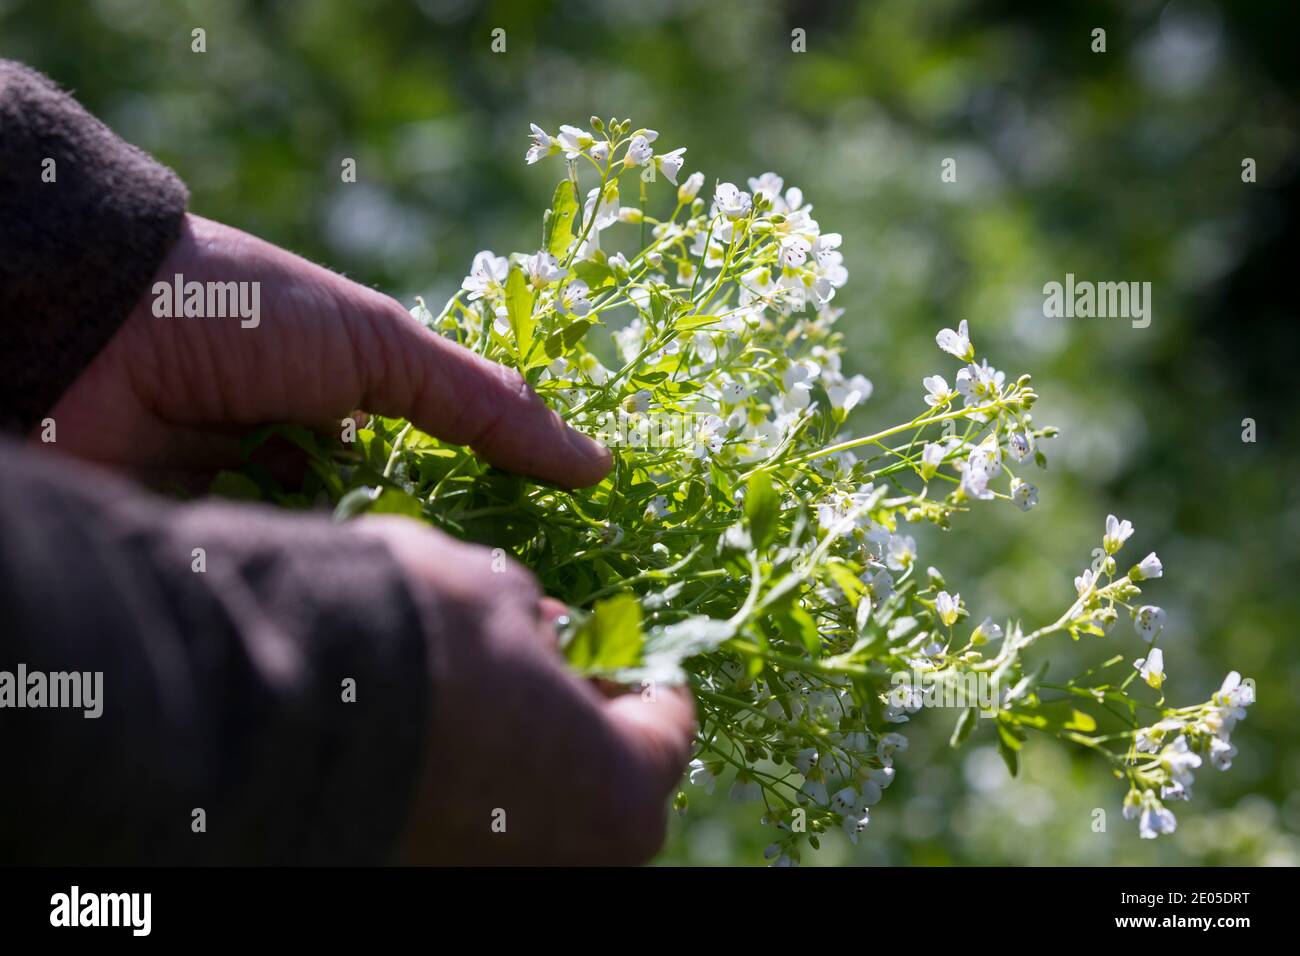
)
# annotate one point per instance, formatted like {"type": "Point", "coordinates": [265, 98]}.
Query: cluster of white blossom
{"type": "Point", "coordinates": [769, 553]}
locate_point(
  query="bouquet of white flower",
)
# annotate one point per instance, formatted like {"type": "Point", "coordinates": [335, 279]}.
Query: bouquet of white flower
{"type": "Point", "coordinates": [741, 543]}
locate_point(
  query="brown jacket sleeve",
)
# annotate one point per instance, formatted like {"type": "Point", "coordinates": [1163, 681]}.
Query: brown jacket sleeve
{"type": "Point", "coordinates": [85, 221]}
{"type": "Point", "coordinates": [222, 686]}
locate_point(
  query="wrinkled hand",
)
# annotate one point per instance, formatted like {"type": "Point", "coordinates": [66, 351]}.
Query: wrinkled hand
{"type": "Point", "coordinates": [527, 763]}
{"type": "Point", "coordinates": [169, 395]}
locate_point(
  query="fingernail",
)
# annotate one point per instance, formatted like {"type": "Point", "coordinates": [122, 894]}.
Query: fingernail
{"type": "Point", "coordinates": [588, 448]}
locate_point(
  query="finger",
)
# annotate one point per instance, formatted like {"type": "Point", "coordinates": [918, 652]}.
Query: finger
{"type": "Point", "coordinates": [658, 724]}
{"type": "Point", "coordinates": [552, 610]}
{"type": "Point", "coordinates": [453, 394]}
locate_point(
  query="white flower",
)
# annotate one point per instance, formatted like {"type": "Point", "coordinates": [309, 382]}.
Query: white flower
{"type": "Point", "coordinates": [1084, 582]}
{"type": "Point", "coordinates": [573, 299]}
{"type": "Point", "coordinates": [1221, 753]}
{"type": "Point", "coordinates": [987, 631]}
{"type": "Point", "coordinates": [670, 164]}
{"type": "Point", "coordinates": [486, 275]}
{"type": "Point", "coordinates": [854, 825]}
{"type": "Point", "coordinates": [882, 777]}
{"type": "Point", "coordinates": [639, 151]}
{"type": "Point", "coordinates": [1149, 739]}
{"type": "Point", "coordinates": [768, 185]}
{"type": "Point", "coordinates": [542, 147]}
{"type": "Point", "coordinates": [1152, 667]}
{"type": "Point", "coordinates": [888, 745]}
{"type": "Point", "coordinates": [1020, 445]}
{"type": "Point", "coordinates": [901, 552]}
{"type": "Point", "coordinates": [574, 141]}
{"type": "Point", "coordinates": [903, 700]}
{"type": "Point", "coordinates": [541, 269]}
{"type": "Point", "coordinates": [1235, 693]}
{"type": "Point", "coordinates": [937, 390]}
{"type": "Point", "coordinates": [932, 456]}
{"type": "Point", "coordinates": [956, 343]}
{"type": "Point", "coordinates": [979, 383]}
{"type": "Point", "coordinates": [1023, 495]}
{"type": "Point", "coordinates": [805, 760]}
{"type": "Point", "coordinates": [980, 468]}
{"type": "Point", "coordinates": [1148, 567]}
{"type": "Point", "coordinates": [1155, 820]}
{"type": "Point", "coordinates": [1117, 532]}
{"type": "Point", "coordinates": [793, 252]}
{"type": "Point", "coordinates": [846, 802]}
{"type": "Point", "coordinates": [1179, 760]}
{"type": "Point", "coordinates": [600, 152]}
{"type": "Point", "coordinates": [1175, 791]}
{"type": "Point", "coordinates": [590, 366]}
{"type": "Point", "coordinates": [829, 268]}
{"type": "Point", "coordinates": [734, 392]}
{"type": "Point", "coordinates": [881, 584]}
{"type": "Point", "coordinates": [814, 791]}
{"type": "Point", "coordinates": [702, 776]}
{"type": "Point", "coordinates": [690, 188]}
{"type": "Point", "coordinates": [947, 605]}
{"type": "Point", "coordinates": [618, 262]}
{"type": "Point", "coordinates": [848, 395]}
{"type": "Point", "coordinates": [798, 382]}
{"type": "Point", "coordinates": [709, 437]}
{"type": "Point", "coordinates": [1149, 621]}
{"type": "Point", "coordinates": [731, 202]}
{"type": "Point", "coordinates": [638, 402]}
{"type": "Point", "coordinates": [501, 320]}
{"type": "Point", "coordinates": [745, 790]}
{"type": "Point", "coordinates": [1132, 804]}
{"type": "Point", "coordinates": [657, 507]}
{"type": "Point", "coordinates": [606, 212]}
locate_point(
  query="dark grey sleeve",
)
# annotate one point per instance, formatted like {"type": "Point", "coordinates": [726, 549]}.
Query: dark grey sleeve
{"type": "Point", "coordinates": [85, 221]}
{"type": "Point", "coordinates": [223, 689]}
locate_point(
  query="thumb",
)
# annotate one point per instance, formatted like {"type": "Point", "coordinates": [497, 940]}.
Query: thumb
{"type": "Point", "coordinates": [658, 727]}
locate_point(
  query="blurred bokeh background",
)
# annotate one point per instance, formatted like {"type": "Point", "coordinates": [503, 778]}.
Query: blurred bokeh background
{"type": "Point", "coordinates": [1122, 165]}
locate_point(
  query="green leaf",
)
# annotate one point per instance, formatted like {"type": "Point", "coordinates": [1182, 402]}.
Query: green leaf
{"type": "Point", "coordinates": [848, 582]}
{"type": "Point", "coordinates": [1084, 723]}
{"type": "Point", "coordinates": [233, 484]}
{"type": "Point", "coordinates": [1009, 747]}
{"type": "Point", "coordinates": [563, 340]}
{"type": "Point", "coordinates": [966, 722]}
{"type": "Point", "coordinates": [798, 625]}
{"type": "Point", "coordinates": [557, 225]}
{"type": "Point", "coordinates": [611, 639]}
{"type": "Point", "coordinates": [355, 502]}
{"type": "Point", "coordinates": [695, 635]}
{"type": "Point", "coordinates": [762, 508]}
{"type": "Point", "coordinates": [688, 322]}
{"type": "Point", "coordinates": [393, 501]}
{"type": "Point", "coordinates": [595, 274]}
{"type": "Point", "coordinates": [519, 306]}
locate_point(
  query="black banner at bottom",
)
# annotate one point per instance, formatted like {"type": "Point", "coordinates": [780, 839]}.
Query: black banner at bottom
{"type": "Point", "coordinates": [337, 905]}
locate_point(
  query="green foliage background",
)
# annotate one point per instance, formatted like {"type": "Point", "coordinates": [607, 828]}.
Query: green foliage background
{"type": "Point", "coordinates": [1117, 166]}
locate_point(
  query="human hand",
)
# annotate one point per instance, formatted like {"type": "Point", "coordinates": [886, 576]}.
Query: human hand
{"type": "Point", "coordinates": [527, 763]}
{"type": "Point", "coordinates": [173, 395]}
